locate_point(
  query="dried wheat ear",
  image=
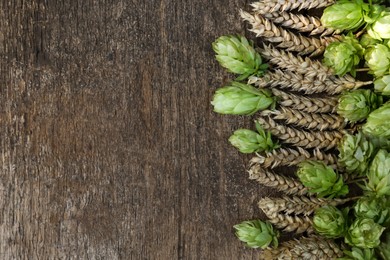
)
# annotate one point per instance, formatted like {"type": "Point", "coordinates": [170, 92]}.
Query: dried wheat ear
{"type": "Point", "coordinates": [306, 139]}
{"type": "Point", "coordinates": [287, 185]}
{"type": "Point", "coordinates": [298, 205]}
{"type": "Point", "coordinates": [264, 28]}
{"type": "Point", "coordinates": [307, 120]}
{"type": "Point", "coordinates": [306, 104]}
{"type": "Point", "coordinates": [269, 6]}
{"type": "Point", "coordinates": [306, 248]}
{"type": "Point", "coordinates": [292, 157]}
{"type": "Point", "coordinates": [297, 224]}
{"type": "Point", "coordinates": [300, 22]}
{"type": "Point", "coordinates": [298, 82]}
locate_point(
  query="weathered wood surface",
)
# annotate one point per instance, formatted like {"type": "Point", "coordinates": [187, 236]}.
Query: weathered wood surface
{"type": "Point", "coordinates": [109, 146]}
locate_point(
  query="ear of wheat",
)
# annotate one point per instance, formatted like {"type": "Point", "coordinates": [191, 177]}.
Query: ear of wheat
{"type": "Point", "coordinates": [326, 104]}
{"type": "Point", "coordinates": [269, 6]}
{"type": "Point", "coordinates": [297, 224]}
{"type": "Point", "coordinates": [292, 157]}
{"type": "Point", "coordinates": [282, 183]}
{"type": "Point", "coordinates": [306, 139]}
{"type": "Point", "coordinates": [307, 120]}
{"type": "Point", "coordinates": [290, 41]}
{"type": "Point", "coordinates": [300, 22]}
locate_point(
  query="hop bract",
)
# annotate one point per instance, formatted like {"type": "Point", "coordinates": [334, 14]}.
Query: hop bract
{"type": "Point", "coordinates": [359, 254]}
{"type": "Point", "coordinates": [367, 41]}
{"type": "Point", "coordinates": [373, 208]}
{"type": "Point", "coordinates": [380, 29]}
{"type": "Point", "coordinates": [378, 122]}
{"type": "Point", "coordinates": [355, 154]}
{"type": "Point", "coordinates": [382, 85]}
{"type": "Point", "coordinates": [345, 15]}
{"type": "Point", "coordinates": [384, 247]}
{"type": "Point", "coordinates": [241, 99]}
{"type": "Point", "coordinates": [248, 141]}
{"type": "Point", "coordinates": [357, 104]}
{"type": "Point", "coordinates": [257, 234]}
{"type": "Point", "coordinates": [329, 221]}
{"type": "Point", "coordinates": [321, 179]}
{"type": "Point", "coordinates": [379, 174]}
{"type": "Point", "coordinates": [344, 56]}
{"type": "Point", "coordinates": [364, 233]}
{"type": "Point", "coordinates": [378, 59]}
{"type": "Point", "coordinates": [237, 55]}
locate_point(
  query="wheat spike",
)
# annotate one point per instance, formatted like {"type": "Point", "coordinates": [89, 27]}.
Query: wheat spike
{"type": "Point", "coordinates": [300, 22]}
{"type": "Point", "coordinates": [297, 204]}
{"type": "Point", "coordinates": [298, 224]}
{"type": "Point", "coordinates": [307, 120]}
{"type": "Point", "coordinates": [269, 6]}
{"type": "Point", "coordinates": [286, 60]}
{"type": "Point", "coordinates": [298, 82]}
{"type": "Point", "coordinates": [281, 183]}
{"type": "Point", "coordinates": [306, 139]}
{"type": "Point", "coordinates": [292, 157]}
{"type": "Point", "coordinates": [306, 248]}
{"type": "Point", "coordinates": [286, 39]}
{"type": "Point", "coordinates": [326, 104]}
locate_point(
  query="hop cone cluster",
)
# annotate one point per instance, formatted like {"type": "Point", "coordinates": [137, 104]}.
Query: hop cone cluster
{"type": "Point", "coordinates": [355, 154]}
{"type": "Point", "coordinates": [356, 105]}
{"type": "Point", "coordinates": [377, 209]}
{"type": "Point", "coordinates": [384, 248]}
{"type": "Point", "coordinates": [378, 122]}
{"type": "Point", "coordinates": [380, 29]}
{"type": "Point", "coordinates": [257, 234]}
{"type": "Point", "coordinates": [382, 85]}
{"type": "Point", "coordinates": [379, 174]}
{"type": "Point", "coordinates": [359, 254]}
{"type": "Point", "coordinates": [321, 179]}
{"type": "Point", "coordinates": [378, 59]}
{"type": "Point", "coordinates": [237, 55]}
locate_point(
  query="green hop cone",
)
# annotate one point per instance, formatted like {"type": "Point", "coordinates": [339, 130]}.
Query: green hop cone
{"type": "Point", "coordinates": [237, 55]}
{"type": "Point", "coordinates": [373, 208]}
{"type": "Point", "coordinates": [384, 248]}
{"type": "Point", "coordinates": [248, 141]}
{"type": "Point", "coordinates": [321, 179]}
{"type": "Point", "coordinates": [344, 56]}
{"type": "Point", "coordinates": [357, 104]}
{"type": "Point", "coordinates": [257, 234]}
{"type": "Point", "coordinates": [379, 174]}
{"type": "Point", "coordinates": [329, 222]}
{"type": "Point", "coordinates": [358, 254]}
{"type": "Point", "coordinates": [364, 233]}
{"type": "Point", "coordinates": [241, 99]}
{"type": "Point", "coordinates": [367, 41]}
{"type": "Point", "coordinates": [378, 59]}
{"type": "Point", "coordinates": [378, 122]}
{"type": "Point", "coordinates": [380, 29]}
{"type": "Point", "coordinates": [382, 85]}
{"type": "Point", "coordinates": [345, 15]}
{"type": "Point", "coordinates": [355, 153]}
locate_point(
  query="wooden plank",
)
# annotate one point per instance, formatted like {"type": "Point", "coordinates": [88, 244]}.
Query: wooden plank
{"type": "Point", "coordinates": [109, 146]}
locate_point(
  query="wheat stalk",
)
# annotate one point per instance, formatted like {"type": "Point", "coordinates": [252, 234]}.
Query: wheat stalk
{"type": "Point", "coordinates": [307, 120]}
{"type": "Point", "coordinates": [305, 104]}
{"type": "Point", "coordinates": [306, 248]}
{"type": "Point", "coordinates": [300, 22]}
{"type": "Point", "coordinates": [306, 139]}
{"type": "Point", "coordinates": [297, 204]}
{"type": "Point", "coordinates": [292, 157]}
{"type": "Point", "coordinates": [282, 183]}
{"type": "Point", "coordinates": [298, 82]}
{"type": "Point", "coordinates": [269, 6]}
{"type": "Point", "coordinates": [286, 39]}
{"type": "Point", "coordinates": [286, 60]}
{"type": "Point", "coordinates": [298, 224]}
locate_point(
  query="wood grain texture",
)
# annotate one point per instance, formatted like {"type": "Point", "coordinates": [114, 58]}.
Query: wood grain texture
{"type": "Point", "coordinates": [109, 146]}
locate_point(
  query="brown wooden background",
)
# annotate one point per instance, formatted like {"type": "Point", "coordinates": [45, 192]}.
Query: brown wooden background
{"type": "Point", "coordinates": [109, 146]}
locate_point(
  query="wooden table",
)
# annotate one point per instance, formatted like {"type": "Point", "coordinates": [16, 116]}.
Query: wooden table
{"type": "Point", "coordinates": [109, 146]}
